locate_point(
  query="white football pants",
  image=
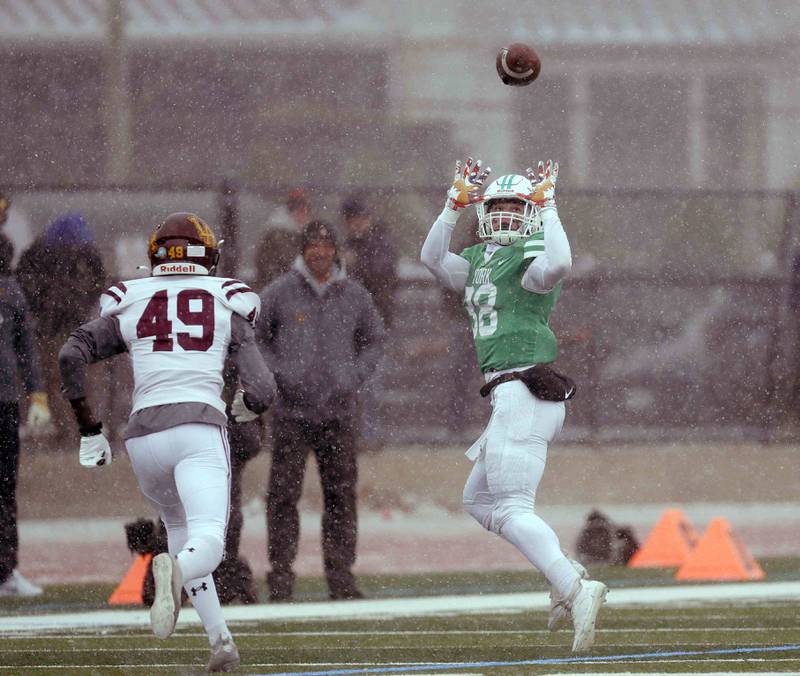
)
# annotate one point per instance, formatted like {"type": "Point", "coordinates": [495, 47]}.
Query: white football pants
{"type": "Point", "coordinates": [500, 492]}
{"type": "Point", "coordinates": [184, 472]}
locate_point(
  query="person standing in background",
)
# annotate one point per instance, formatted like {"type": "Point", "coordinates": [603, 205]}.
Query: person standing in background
{"type": "Point", "coordinates": [62, 275]}
{"type": "Point", "coordinates": [322, 337]}
{"type": "Point", "coordinates": [278, 246]}
{"type": "Point", "coordinates": [370, 257]}
{"type": "Point", "coordinates": [17, 358]}
{"type": "Point", "coordinates": [274, 255]}
{"type": "Point", "coordinates": [370, 254]}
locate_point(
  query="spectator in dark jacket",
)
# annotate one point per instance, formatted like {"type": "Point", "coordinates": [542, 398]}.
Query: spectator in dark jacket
{"type": "Point", "coordinates": [322, 336]}
{"type": "Point", "coordinates": [17, 360]}
{"type": "Point", "coordinates": [370, 254]}
{"type": "Point", "coordinates": [278, 246]}
{"type": "Point", "coordinates": [62, 276]}
{"type": "Point", "coordinates": [371, 258]}
{"type": "Point", "coordinates": [274, 255]}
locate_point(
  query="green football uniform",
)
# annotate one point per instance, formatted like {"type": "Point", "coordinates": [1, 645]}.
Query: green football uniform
{"type": "Point", "coordinates": [509, 324]}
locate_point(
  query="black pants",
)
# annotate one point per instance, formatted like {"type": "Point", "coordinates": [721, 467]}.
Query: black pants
{"type": "Point", "coordinates": [9, 466]}
{"type": "Point", "coordinates": [245, 443]}
{"type": "Point", "coordinates": [333, 445]}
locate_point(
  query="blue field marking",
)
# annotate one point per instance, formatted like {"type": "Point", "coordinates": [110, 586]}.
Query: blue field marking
{"type": "Point", "coordinates": [552, 660]}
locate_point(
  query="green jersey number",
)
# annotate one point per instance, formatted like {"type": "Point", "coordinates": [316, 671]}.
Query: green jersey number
{"type": "Point", "coordinates": [479, 302]}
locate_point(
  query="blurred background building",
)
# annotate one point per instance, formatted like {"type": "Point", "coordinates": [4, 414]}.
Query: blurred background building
{"type": "Point", "coordinates": [705, 93]}
{"type": "Point", "coordinates": [675, 123]}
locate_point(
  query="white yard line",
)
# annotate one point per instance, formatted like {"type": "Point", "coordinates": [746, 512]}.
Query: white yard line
{"type": "Point", "coordinates": [689, 595]}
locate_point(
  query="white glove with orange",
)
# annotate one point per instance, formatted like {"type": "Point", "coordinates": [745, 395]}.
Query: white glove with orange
{"type": "Point", "coordinates": [544, 183]}
{"type": "Point", "coordinates": [467, 182]}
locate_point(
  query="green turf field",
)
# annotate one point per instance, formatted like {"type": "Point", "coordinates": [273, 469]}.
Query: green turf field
{"type": "Point", "coordinates": [715, 637]}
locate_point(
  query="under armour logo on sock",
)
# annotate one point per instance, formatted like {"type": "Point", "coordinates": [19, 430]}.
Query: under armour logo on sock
{"type": "Point", "coordinates": [202, 587]}
{"type": "Point", "coordinates": [191, 549]}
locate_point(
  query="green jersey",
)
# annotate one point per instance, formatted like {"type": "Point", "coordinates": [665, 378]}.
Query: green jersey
{"type": "Point", "coordinates": [509, 324]}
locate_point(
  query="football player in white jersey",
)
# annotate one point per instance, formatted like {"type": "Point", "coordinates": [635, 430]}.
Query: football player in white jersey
{"type": "Point", "coordinates": [178, 326]}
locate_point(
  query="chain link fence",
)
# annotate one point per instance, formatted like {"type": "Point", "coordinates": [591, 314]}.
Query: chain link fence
{"type": "Point", "coordinates": [678, 322]}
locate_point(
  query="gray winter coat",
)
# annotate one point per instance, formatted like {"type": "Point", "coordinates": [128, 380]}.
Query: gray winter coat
{"type": "Point", "coordinates": [321, 342]}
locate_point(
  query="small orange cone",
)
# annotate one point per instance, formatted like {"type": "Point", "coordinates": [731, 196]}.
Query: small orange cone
{"type": "Point", "coordinates": [720, 555]}
{"type": "Point", "coordinates": [129, 590]}
{"type": "Point", "coordinates": [668, 544]}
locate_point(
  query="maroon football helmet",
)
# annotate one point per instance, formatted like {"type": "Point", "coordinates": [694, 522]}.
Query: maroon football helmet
{"type": "Point", "coordinates": [183, 244]}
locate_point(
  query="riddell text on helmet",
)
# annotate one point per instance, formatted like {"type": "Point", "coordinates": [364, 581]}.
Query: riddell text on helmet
{"type": "Point", "coordinates": [167, 268]}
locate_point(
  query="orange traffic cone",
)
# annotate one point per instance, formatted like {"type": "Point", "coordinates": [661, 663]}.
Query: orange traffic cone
{"type": "Point", "coordinates": [720, 555]}
{"type": "Point", "coordinates": [668, 544]}
{"type": "Point", "coordinates": [129, 590]}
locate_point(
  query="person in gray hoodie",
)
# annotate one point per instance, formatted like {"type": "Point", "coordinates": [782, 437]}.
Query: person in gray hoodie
{"type": "Point", "coordinates": [322, 337]}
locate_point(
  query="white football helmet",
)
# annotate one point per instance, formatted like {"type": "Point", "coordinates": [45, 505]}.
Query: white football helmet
{"type": "Point", "coordinates": [507, 227]}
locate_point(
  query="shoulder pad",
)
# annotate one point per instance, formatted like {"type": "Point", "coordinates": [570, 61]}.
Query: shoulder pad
{"type": "Point", "coordinates": [241, 299]}
{"type": "Point", "coordinates": [111, 299]}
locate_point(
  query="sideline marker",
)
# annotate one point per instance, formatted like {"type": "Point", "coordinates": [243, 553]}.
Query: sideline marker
{"type": "Point", "coordinates": [669, 543]}
{"type": "Point", "coordinates": [129, 590]}
{"type": "Point", "coordinates": [720, 555]}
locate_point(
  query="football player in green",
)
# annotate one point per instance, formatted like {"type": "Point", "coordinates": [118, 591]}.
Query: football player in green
{"type": "Point", "coordinates": [511, 282]}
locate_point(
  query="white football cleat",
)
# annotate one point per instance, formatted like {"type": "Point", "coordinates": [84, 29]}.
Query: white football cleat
{"type": "Point", "coordinates": [18, 585]}
{"type": "Point", "coordinates": [585, 608]}
{"type": "Point", "coordinates": [167, 600]}
{"type": "Point", "coordinates": [224, 655]}
{"type": "Point", "coordinates": [560, 612]}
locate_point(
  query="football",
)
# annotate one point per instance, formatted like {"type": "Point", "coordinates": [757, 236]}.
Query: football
{"type": "Point", "coordinates": [518, 64]}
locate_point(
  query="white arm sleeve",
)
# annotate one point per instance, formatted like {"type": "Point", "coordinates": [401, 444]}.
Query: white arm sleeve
{"type": "Point", "coordinates": [556, 262]}
{"type": "Point", "coordinates": [450, 269]}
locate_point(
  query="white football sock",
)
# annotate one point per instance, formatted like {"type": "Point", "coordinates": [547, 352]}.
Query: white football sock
{"type": "Point", "coordinates": [203, 595]}
{"type": "Point", "coordinates": [539, 544]}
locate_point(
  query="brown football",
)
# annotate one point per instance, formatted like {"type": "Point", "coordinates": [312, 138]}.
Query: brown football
{"type": "Point", "coordinates": [518, 64]}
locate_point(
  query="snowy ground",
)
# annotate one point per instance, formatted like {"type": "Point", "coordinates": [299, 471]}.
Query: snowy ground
{"type": "Point", "coordinates": [411, 519]}
{"type": "Point", "coordinates": [426, 538]}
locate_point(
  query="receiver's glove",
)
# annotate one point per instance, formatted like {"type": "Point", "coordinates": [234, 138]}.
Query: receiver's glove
{"type": "Point", "coordinates": [467, 182]}
{"type": "Point", "coordinates": [544, 183]}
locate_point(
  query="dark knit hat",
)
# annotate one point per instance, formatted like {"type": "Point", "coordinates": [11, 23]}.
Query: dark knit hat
{"type": "Point", "coordinates": [354, 205]}
{"type": "Point", "coordinates": [69, 230]}
{"type": "Point", "coordinates": [315, 231]}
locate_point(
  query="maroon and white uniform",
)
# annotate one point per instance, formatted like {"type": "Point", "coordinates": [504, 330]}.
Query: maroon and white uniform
{"type": "Point", "coordinates": [178, 326]}
{"type": "Point", "coordinates": [178, 330]}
